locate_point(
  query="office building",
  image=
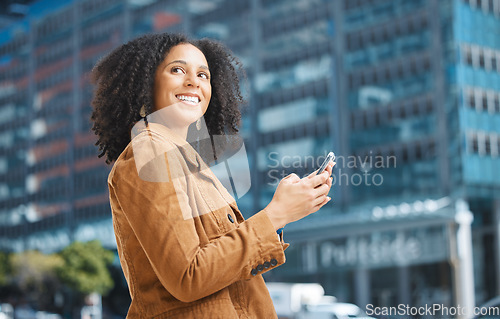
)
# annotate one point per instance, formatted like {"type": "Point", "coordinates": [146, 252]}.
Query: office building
{"type": "Point", "coordinates": [413, 118]}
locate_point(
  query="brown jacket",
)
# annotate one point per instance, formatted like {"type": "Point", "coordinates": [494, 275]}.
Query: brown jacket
{"type": "Point", "coordinates": [184, 247]}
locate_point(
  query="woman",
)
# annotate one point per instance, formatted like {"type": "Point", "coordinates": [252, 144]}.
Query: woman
{"type": "Point", "coordinates": [184, 247]}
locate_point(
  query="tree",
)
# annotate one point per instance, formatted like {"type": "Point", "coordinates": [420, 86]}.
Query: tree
{"type": "Point", "coordinates": [85, 267]}
{"type": "Point", "coordinates": [34, 275]}
{"type": "Point", "coordinates": [4, 268]}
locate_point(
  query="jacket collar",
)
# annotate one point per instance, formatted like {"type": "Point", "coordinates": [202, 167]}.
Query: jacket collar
{"type": "Point", "coordinates": [191, 156]}
{"type": "Point", "coordinates": [187, 151]}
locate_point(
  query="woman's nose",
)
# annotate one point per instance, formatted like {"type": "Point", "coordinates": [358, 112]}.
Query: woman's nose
{"type": "Point", "coordinates": [192, 80]}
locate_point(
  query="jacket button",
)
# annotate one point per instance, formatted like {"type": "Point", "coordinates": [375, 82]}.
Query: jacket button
{"type": "Point", "coordinates": [230, 218]}
{"type": "Point", "coordinates": [254, 272]}
{"type": "Point", "coordinates": [260, 267]}
{"type": "Point", "coordinates": [267, 264]}
{"type": "Point", "coordinates": [274, 262]}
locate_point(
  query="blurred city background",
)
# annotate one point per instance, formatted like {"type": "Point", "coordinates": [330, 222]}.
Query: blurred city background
{"type": "Point", "coordinates": [405, 92]}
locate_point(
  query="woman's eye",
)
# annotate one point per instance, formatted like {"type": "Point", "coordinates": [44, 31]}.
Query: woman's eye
{"type": "Point", "coordinates": [203, 75]}
{"type": "Point", "coordinates": [176, 69]}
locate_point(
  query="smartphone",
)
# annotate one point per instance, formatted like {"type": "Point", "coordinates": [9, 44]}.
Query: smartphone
{"type": "Point", "coordinates": [329, 157]}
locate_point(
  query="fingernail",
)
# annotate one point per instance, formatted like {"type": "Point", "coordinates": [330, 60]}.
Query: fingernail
{"type": "Point", "coordinates": [328, 198]}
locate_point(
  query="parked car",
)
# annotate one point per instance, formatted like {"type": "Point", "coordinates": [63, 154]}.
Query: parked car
{"type": "Point", "coordinates": [308, 301]}
{"type": "Point", "coordinates": [6, 311]}
{"type": "Point", "coordinates": [289, 299]}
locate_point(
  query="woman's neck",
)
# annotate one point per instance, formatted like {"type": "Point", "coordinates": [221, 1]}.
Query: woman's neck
{"type": "Point", "coordinates": [180, 131]}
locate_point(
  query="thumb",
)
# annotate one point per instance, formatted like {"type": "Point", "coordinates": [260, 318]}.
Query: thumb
{"type": "Point", "coordinates": [293, 178]}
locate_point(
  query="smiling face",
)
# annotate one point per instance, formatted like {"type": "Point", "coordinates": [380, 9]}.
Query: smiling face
{"type": "Point", "coordinates": [182, 87]}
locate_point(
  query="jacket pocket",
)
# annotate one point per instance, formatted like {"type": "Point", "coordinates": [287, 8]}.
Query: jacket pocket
{"type": "Point", "coordinates": [213, 309]}
{"type": "Point", "coordinates": [219, 222]}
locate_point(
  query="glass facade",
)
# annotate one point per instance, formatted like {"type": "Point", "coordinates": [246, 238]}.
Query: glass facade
{"type": "Point", "coordinates": [406, 140]}
{"type": "Point", "coordinates": [477, 80]}
{"type": "Point", "coordinates": [405, 92]}
{"type": "Point", "coordinates": [53, 187]}
{"type": "Point", "coordinates": [391, 95]}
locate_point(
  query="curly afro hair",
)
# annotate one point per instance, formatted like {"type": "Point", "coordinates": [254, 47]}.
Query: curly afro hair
{"type": "Point", "coordinates": [124, 82]}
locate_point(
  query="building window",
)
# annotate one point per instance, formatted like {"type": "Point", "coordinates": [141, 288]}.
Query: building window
{"type": "Point", "coordinates": [482, 100]}
{"type": "Point", "coordinates": [487, 143]}
{"type": "Point", "coordinates": [496, 103]}
{"type": "Point", "coordinates": [483, 105]}
{"type": "Point", "coordinates": [479, 57]}
{"type": "Point", "coordinates": [482, 63]}
{"type": "Point", "coordinates": [469, 96]}
{"type": "Point", "coordinates": [483, 143]}
{"type": "Point", "coordinates": [473, 143]}
{"type": "Point", "coordinates": [467, 55]}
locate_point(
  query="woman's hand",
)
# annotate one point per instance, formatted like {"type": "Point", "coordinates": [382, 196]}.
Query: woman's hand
{"type": "Point", "coordinates": [296, 198]}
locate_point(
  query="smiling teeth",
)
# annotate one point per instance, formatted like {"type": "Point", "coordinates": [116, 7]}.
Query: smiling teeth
{"type": "Point", "coordinates": [192, 99]}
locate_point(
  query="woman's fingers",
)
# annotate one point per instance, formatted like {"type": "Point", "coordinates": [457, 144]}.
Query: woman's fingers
{"type": "Point", "coordinates": [321, 190]}
{"type": "Point", "coordinates": [328, 182]}
{"type": "Point", "coordinates": [329, 168]}
{"type": "Point", "coordinates": [320, 202]}
{"type": "Point", "coordinates": [318, 179]}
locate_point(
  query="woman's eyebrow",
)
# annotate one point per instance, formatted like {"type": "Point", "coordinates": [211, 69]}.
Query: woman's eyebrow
{"type": "Point", "coordinates": [184, 62]}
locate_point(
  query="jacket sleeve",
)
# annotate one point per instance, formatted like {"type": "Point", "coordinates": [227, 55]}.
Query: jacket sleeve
{"type": "Point", "coordinates": [186, 269]}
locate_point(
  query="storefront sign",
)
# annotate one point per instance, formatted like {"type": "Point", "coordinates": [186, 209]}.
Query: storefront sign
{"type": "Point", "coordinates": [378, 249]}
